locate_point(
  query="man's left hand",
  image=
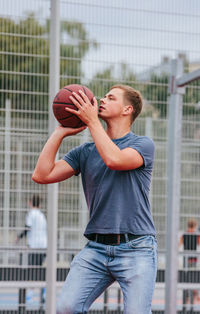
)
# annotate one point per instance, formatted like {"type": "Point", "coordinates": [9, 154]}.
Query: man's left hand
{"type": "Point", "coordinates": [87, 111]}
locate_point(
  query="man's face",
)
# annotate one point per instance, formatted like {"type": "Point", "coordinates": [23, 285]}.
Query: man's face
{"type": "Point", "coordinates": [111, 106]}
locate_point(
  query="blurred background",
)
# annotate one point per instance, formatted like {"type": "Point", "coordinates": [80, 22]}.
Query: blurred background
{"type": "Point", "coordinates": [101, 43]}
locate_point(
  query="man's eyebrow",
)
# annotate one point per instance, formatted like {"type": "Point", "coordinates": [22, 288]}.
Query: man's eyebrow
{"type": "Point", "coordinates": [108, 95]}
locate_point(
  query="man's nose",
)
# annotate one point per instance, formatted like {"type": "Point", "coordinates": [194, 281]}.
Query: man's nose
{"type": "Point", "coordinates": [102, 101]}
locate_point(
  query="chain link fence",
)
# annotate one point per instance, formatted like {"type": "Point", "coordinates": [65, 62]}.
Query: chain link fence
{"type": "Point", "coordinates": [102, 43]}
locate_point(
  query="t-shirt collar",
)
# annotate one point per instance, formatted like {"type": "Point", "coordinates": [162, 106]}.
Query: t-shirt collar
{"type": "Point", "coordinates": [116, 140]}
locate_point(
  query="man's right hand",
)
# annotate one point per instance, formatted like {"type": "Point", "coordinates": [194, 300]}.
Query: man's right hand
{"type": "Point", "coordinates": [65, 131]}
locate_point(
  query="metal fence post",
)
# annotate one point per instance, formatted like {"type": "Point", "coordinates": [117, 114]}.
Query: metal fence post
{"type": "Point", "coordinates": [173, 186]}
{"type": "Point", "coordinates": [52, 203]}
{"type": "Point", "coordinates": [7, 142]}
{"type": "Point", "coordinates": [149, 133]}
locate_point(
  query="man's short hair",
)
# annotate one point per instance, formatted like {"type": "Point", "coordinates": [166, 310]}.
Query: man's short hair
{"type": "Point", "coordinates": [133, 97]}
{"type": "Point", "coordinates": [36, 201]}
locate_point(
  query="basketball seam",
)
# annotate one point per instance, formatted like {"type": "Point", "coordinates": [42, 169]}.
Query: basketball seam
{"type": "Point", "coordinates": [84, 90]}
{"type": "Point", "coordinates": [80, 124]}
{"type": "Point", "coordinates": [72, 115]}
{"type": "Point", "coordinates": [68, 89]}
{"type": "Point", "coordinates": [62, 103]}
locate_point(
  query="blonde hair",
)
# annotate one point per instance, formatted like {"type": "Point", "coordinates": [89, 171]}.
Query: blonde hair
{"type": "Point", "coordinates": [133, 97]}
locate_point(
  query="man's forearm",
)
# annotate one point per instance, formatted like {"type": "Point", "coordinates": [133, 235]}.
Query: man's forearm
{"type": "Point", "coordinates": [48, 170]}
{"type": "Point", "coordinates": [46, 160]}
{"type": "Point", "coordinates": [109, 152]}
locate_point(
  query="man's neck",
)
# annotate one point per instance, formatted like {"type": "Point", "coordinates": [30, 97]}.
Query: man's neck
{"type": "Point", "coordinates": [117, 130]}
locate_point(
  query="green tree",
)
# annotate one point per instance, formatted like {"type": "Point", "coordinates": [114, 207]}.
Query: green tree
{"type": "Point", "coordinates": [102, 82]}
{"type": "Point", "coordinates": [156, 93]}
{"type": "Point", "coordinates": [105, 79]}
{"type": "Point", "coordinates": [191, 99]}
{"type": "Point", "coordinates": [24, 61]}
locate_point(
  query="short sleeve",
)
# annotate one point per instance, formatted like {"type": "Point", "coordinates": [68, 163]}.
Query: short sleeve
{"type": "Point", "coordinates": [146, 148]}
{"type": "Point", "coordinates": [73, 158]}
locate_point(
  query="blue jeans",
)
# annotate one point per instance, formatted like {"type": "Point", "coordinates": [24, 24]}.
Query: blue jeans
{"type": "Point", "coordinates": [132, 264]}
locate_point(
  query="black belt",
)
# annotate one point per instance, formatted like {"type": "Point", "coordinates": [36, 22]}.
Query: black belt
{"type": "Point", "coordinates": [112, 239]}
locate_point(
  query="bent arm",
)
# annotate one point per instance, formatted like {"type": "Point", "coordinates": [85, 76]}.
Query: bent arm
{"type": "Point", "coordinates": [48, 170]}
{"type": "Point", "coordinates": [60, 172]}
{"type": "Point", "coordinates": [114, 158]}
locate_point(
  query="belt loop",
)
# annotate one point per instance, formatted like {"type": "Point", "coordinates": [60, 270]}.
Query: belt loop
{"type": "Point", "coordinates": [118, 238]}
{"type": "Point", "coordinates": [96, 237]}
{"type": "Point", "coordinates": [126, 237]}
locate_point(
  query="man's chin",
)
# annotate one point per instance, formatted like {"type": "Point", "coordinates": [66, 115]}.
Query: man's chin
{"type": "Point", "coordinates": [101, 116]}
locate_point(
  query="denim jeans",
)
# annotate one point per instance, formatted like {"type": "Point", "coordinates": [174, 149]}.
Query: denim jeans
{"type": "Point", "coordinates": [132, 264]}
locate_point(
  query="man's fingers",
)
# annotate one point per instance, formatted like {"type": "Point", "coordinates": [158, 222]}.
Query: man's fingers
{"type": "Point", "coordinates": [78, 130]}
{"type": "Point", "coordinates": [95, 102]}
{"type": "Point", "coordinates": [81, 129]}
{"type": "Point", "coordinates": [73, 111]}
{"type": "Point", "coordinates": [84, 96]}
{"type": "Point", "coordinates": [75, 101]}
{"type": "Point", "coordinates": [78, 98]}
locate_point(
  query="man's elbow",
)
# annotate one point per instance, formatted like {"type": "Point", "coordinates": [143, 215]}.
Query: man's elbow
{"type": "Point", "coordinates": [38, 179]}
{"type": "Point", "coordinates": [112, 164]}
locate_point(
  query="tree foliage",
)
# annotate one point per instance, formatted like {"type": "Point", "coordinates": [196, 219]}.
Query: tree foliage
{"type": "Point", "coordinates": [24, 67]}
{"type": "Point", "coordinates": [105, 79]}
{"type": "Point", "coordinates": [24, 61]}
{"type": "Point", "coordinates": [191, 99]}
{"type": "Point", "coordinates": [156, 93]}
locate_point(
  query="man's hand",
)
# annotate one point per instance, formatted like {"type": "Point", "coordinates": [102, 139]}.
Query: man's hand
{"type": "Point", "coordinates": [87, 111]}
{"type": "Point", "coordinates": [62, 131]}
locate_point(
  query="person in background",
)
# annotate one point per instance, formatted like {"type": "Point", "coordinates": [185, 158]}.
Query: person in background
{"type": "Point", "coordinates": [190, 240]}
{"type": "Point", "coordinates": [36, 233]}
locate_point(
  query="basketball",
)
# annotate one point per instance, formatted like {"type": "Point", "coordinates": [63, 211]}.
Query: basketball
{"type": "Point", "coordinates": [62, 100]}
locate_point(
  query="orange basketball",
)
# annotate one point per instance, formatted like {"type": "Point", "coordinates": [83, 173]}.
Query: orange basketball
{"type": "Point", "coordinates": [62, 100]}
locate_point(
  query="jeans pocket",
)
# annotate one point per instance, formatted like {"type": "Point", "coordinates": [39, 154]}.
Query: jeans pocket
{"type": "Point", "coordinates": [142, 243]}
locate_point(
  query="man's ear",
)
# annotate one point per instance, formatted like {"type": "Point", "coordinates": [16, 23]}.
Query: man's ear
{"type": "Point", "coordinates": [128, 110]}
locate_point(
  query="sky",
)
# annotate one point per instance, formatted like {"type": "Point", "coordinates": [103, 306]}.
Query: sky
{"type": "Point", "coordinates": [139, 33]}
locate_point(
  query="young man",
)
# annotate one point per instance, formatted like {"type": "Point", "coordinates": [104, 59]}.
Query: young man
{"type": "Point", "coordinates": [116, 173]}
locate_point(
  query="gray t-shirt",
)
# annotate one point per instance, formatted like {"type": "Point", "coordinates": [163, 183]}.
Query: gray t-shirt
{"type": "Point", "coordinates": [118, 201]}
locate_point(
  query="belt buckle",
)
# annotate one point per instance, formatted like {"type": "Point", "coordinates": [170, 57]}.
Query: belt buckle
{"type": "Point", "coordinates": [118, 238]}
